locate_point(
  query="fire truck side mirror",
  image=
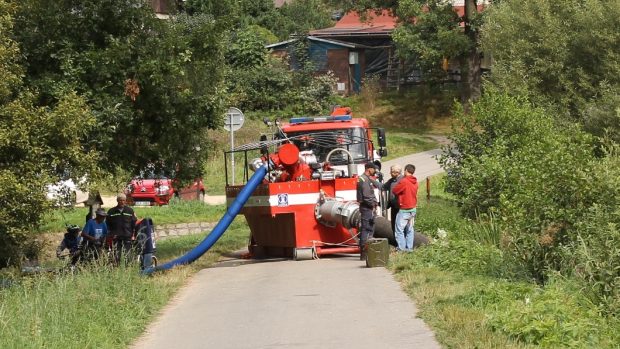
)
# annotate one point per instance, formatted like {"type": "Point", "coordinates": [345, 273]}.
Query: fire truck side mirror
{"type": "Point", "coordinates": [382, 152]}
{"type": "Point", "coordinates": [381, 138]}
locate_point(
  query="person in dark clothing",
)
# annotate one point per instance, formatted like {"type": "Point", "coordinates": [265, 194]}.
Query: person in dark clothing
{"type": "Point", "coordinates": [145, 242]}
{"type": "Point", "coordinates": [392, 200]}
{"type": "Point", "coordinates": [121, 223]}
{"type": "Point", "coordinates": [368, 202]}
{"type": "Point", "coordinates": [71, 241]}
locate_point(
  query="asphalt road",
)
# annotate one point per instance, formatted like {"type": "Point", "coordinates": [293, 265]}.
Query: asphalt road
{"type": "Point", "coordinates": [326, 303]}
{"type": "Point", "coordinates": [425, 163]}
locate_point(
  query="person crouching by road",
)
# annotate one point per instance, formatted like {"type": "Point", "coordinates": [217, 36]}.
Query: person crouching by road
{"type": "Point", "coordinates": [392, 201]}
{"type": "Point", "coordinates": [94, 234]}
{"type": "Point", "coordinates": [121, 224]}
{"type": "Point", "coordinates": [71, 241]}
{"type": "Point", "coordinates": [368, 202]}
{"type": "Point", "coordinates": [407, 193]}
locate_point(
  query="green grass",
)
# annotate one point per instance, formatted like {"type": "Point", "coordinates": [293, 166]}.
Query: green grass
{"type": "Point", "coordinates": [474, 296]}
{"type": "Point", "coordinates": [402, 144]}
{"type": "Point", "coordinates": [101, 306]}
{"type": "Point", "coordinates": [176, 212]}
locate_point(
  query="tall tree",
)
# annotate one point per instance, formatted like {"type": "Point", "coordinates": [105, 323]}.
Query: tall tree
{"type": "Point", "coordinates": [298, 16]}
{"type": "Point", "coordinates": [153, 85]}
{"type": "Point", "coordinates": [36, 144]}
{"type": "Point", "coordinates": [564, 55]}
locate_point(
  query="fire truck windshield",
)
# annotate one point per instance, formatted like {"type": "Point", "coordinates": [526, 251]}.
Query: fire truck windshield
{"type": "Point", "coordinates": [322, 142]}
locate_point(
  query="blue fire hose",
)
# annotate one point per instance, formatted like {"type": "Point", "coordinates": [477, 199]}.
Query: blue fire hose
{"type": "Point", "coordinates": [219, 229]}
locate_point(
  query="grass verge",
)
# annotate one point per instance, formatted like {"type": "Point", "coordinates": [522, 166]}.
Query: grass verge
{"type": "Point", "coordinates": [99, 306]}
{"type": "Point", "coordinates": [474, 296]}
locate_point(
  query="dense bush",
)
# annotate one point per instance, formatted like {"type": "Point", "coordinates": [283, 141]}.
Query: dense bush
{"type": "Point", "coordinates": [597, 249]}
{"type": "Point", "coordinates": [555, 203]}
{"type": "Point", "coordinates": [557, 316]}
{"type": "Point", "coordinates": [463, 277]}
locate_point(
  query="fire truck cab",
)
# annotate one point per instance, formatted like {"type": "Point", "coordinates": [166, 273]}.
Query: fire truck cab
{"type": "Point", "coordinates": [319, 136]}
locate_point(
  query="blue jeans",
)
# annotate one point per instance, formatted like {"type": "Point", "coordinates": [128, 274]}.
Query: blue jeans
{"type": "Point", "coordinates": [404, 230]}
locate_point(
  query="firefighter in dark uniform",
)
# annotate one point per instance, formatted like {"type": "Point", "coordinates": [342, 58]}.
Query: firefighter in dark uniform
{"type": "Point", "coordinates": [121, 224]}
{"type": "Point", "coordinates": [368, 202]}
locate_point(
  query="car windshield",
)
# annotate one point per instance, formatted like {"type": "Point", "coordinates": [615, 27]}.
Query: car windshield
{"type": "Point", "coordinates": [151, 174]}
{"type": "Point", "coordinates": [322, 142]}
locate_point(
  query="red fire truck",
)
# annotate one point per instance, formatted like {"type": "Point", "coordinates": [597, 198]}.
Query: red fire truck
{"type": "Point", "coordinates": [306, 205]}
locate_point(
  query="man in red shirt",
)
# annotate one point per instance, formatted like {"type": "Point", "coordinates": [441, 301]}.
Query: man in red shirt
{"type": "Point", "coordinates": [407, 193]}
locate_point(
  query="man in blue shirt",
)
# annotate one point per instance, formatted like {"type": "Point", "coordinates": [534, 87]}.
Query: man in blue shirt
{"type": "Point", "coordinates": [94, 233]}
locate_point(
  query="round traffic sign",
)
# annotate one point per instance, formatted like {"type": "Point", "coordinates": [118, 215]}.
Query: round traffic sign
{"type": "Point", "coordinates": [233, 120]}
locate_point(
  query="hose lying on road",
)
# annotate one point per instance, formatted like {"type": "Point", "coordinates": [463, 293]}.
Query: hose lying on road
{"type": "Point", "coordinates": [219, 229]}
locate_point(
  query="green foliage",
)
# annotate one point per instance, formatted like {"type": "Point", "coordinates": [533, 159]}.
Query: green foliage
{"type": "Point", "coordinates": [556, 316]}
{"type": "Point", "coordinates": [601, 115]}
{"type": "Point", "coordinates": [301, 16]}
{"type": "Point", "coordinates": [10, 70]}
{"type": "Point", "coordinates": [147, 81]}
{"type": "Point", "coordinates": [297, 17]}
{"type": "Point", "coordinates": [37, 146]}
{"type": "Point", "coordinates": [273, 87]}
{"type": "Point", "coordinates": [512, 159]}
{"type": "Point", "coordinates": [485, 230]}
{"type": "Point", "coordinates": [247, 49]}
{"type": "Point", "coordinates": [315, 96]}
{"type": "Point", "coordinates": [263, 87]}
{"type": "Point", "coordinates": [467, 256]}
{"type": "Point", "coordinates": [435, 35]}
{"type": "Point", "coordinates": [555, 203]}
{"type": "Point", "coordinates": [214, 8]}
{"type": "Point", "coordinates": [597, 248]}
{"type": "Point", "coordinates": [536, 54]}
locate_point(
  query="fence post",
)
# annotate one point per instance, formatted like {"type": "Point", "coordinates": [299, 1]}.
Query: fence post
{"type": "Point", "coordinates": [428, 189]}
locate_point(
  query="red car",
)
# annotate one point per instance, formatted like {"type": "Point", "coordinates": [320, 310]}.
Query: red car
{"type": "Point", "coordinates": [159, 191]}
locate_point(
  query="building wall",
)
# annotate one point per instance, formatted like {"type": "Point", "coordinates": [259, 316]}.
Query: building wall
{"type": "Point", "coordinates": [338, 63]}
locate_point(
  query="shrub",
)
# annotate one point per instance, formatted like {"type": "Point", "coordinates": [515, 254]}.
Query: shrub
{"type": "Point", "coordinates": [597, 249]}
{"type": "Point", "coordinates": [556, 316]}
{"type": "Point", "coordinates": [514, 160]}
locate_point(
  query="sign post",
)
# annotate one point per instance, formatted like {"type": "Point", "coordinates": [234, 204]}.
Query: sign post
{"type": "Point", "coordinates": [233, 121]}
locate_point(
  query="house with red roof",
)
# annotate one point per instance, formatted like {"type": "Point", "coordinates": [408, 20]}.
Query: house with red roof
{"type": "Point", "coordinates": [357, 47]}
{"type": "Point", "coordinates": [351, 49]}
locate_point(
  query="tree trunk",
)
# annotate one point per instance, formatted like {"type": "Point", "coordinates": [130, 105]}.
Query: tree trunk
{"type": "Point", "coordinates": [470, 61]}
